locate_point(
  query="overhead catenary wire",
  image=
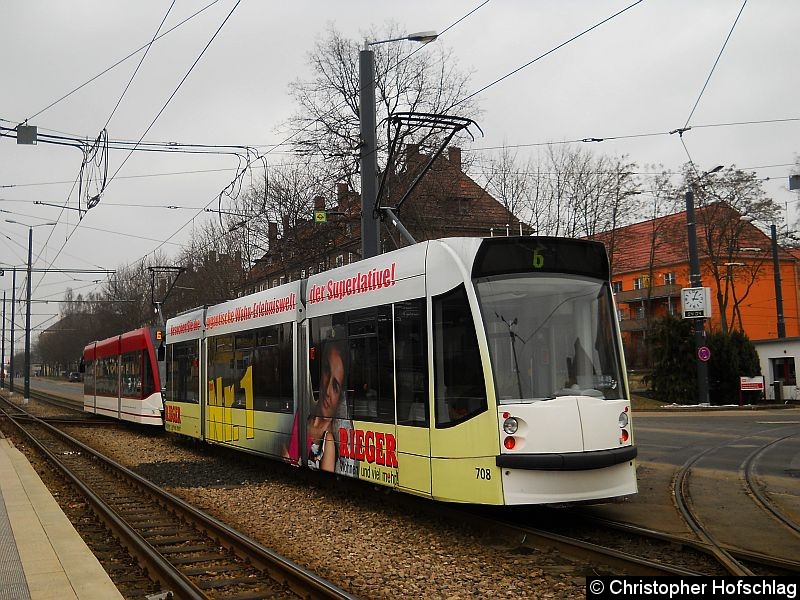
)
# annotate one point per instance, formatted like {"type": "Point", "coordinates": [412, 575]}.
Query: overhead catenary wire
{"type": "Point", "coordinates": [686, 127]}
{"type": "Point", "coordinates": [136, 70]}
{"type": "Point", "coordinates": [119, 62]}
{"type": "Point", "coordinates": [714, 66]}
{"type": "Point", "coordinates": [106, 182]}
{"type": "Point", "coordinates": [541, 56]}
{"type": "Point", "coordinates": [185, 77]}
{"type": "Point", "coordinates": [288, 139]}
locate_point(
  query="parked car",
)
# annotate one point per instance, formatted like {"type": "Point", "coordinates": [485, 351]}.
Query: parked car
{"type": "Point", "coordinates": [74, 376]}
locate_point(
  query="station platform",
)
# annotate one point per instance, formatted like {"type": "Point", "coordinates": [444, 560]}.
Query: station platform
{"type": "Point", "coordinates": [42, 557]}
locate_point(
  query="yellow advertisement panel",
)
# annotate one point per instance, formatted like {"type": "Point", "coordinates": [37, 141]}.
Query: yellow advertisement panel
{"type": "Point", "coordinates": [371, 451]}
{"type": "Point", "coordinates": [182, 418]}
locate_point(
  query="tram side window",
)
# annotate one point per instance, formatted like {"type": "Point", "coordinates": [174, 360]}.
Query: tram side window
{"type": "Point", "coordinates": [88, 378]}
{"type": "Point", "coordinates": [459, 386]}
{"type": "Point", "coordinates": [370, 380]}
{"type": "Point", "coordinates": [107, 376]}
{"type": "Point", "coordinates": [272, 369]}
{"type": "Point", "coordinates": [221, 371]}
{"type": "Point", "coordinates": [131, 375]}
{"type": "Point", "coordinates": [184, 373]}
{"type": "Point", "coordinates": [411, 362]}
{"type": "Point", "coordinates": [326, 334]}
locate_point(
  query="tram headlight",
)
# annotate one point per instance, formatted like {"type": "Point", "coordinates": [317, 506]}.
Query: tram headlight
{"type": "Point", "coordinates": [510, 426]}
{"type": "Point", "coordinates": [623, 420]}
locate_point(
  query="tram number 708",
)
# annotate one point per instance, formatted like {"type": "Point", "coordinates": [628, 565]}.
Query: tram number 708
{"type": "Point", "coordinates": [481, 473]}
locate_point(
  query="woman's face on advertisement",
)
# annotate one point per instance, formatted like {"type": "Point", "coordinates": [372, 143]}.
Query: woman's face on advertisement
{"type": "Point", "coordinates": [331, 383]}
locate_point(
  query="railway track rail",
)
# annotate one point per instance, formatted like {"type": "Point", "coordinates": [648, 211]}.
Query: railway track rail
{"type": "Point", "coordinates": [754, 558]}
{"type": "Point", "coordinates": [188, 552]}
{"type": "Point", "coordinates": [731, 559]}
{"type": "Point", "coordinates": [747, 473]}
{"type": "Point", "coordinates": [573, 547]}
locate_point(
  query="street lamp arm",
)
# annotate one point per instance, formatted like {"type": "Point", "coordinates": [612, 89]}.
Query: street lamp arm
{"type": "Point", "coordinates": [424, 37]}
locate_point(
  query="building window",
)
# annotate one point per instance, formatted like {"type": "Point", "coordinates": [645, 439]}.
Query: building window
{"type": "Point", "coordinates": [274, 283]}
{"type": "Point", "coordinates": [642, 282]}
{"type": "Point", "coordinates": [349, 258]}
{"type": "Point", "coordinates": [302, 273]}
{"type": "Point", "coordinates": [321, 267]}
{"type": "Point", "coordinates": [340, 260]}
{"type": "Point", "coordinates": [621, 314]}
{"type": "Point", "coordinates": [283, 279]}
{"type": "Point", "coordinates": [616, 286]}
{"type": "Point", "coordinates": [783, 369]}
{"type": "Point", "coordinates": [641, 312]}
{"type": "Point", "coordinates": [669, 278]}
{"type": "Point", "coordinates": [461, 206]}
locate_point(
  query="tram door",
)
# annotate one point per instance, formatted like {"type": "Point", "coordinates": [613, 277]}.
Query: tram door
{"type": "Point", "coordinates": [411, 393]}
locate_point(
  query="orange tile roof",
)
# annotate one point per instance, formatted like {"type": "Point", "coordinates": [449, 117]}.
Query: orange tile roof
{"type": "Point", "coordinates": [630, 247]}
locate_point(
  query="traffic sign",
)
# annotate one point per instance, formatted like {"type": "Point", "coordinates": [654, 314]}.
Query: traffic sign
{"type": "Point", "coordinates": [703, 353]}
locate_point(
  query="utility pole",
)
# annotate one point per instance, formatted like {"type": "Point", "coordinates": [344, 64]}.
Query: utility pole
{"type": "Point", "coordinates": [776, 267]}
{"type": "Point", "coordinates": [26, 390]}
{"type": "Point", "coordinates": [3, 353]}
{"type": "Point", "coordinates": [694, 276]}
{"type": "Point", "coordinates": [370, 223]}
{"type": "Point", "coordinates": [13, 311]}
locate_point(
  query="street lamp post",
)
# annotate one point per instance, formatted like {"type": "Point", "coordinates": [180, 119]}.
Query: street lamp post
{"type": "Point", "coordinates": [26, 393]}
{"type": "Point", "coordinates": [370, 221]}
{"type": "Point", "coordinates": [696, 282]}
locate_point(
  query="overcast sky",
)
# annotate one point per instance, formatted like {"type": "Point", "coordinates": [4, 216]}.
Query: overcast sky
{"type": "Point", "coordinates": [640, 73]}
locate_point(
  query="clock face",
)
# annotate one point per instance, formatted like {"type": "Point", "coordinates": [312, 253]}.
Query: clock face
{"type": "Point", "coordinates": [693, 300]}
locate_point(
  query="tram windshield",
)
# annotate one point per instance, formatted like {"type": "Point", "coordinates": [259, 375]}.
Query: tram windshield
{"type": "Point", "coordinates": [549, 336]}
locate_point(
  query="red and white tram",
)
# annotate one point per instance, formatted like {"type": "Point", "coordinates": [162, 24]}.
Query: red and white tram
{"type": "Point", "coordinates": [121, 377]}
{"type": "Point", "coordinates": [484, 371]}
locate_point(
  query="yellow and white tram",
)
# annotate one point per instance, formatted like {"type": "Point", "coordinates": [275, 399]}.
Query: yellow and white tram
{"type": "Point", "coordinates": [484, 371]}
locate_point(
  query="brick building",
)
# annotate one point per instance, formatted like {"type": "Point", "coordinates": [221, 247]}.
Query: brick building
{"type": "Point", "coordinates": [446, 203]}
{"type": "Point", "coordinates": [650, 265]}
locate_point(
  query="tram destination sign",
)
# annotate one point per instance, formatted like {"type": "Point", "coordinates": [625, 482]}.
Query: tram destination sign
{"type": "Point", "coordinates": [501, 256]}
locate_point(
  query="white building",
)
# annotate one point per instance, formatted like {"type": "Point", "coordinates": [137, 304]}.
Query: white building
{"type": "Point", "coordinates": [778, 358]}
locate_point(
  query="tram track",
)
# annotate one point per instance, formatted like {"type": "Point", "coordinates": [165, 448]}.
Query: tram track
{"type": "Point", "coordinates": [188, 552]}
{"type": "Point", "coordinates": [601, 556]}
{"type": "Point", "coordinates": [747, 473]}
{"type": "Point", "coordinates": [679, 542]}
{"type": "Point", "coordinates": [732, 559]}
{"type": "Point", "coordinates": [617, 560]}
{"type": "Point", "coordinates": [683, 504]}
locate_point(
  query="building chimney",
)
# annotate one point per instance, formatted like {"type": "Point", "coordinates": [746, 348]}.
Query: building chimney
{"type": "Point", "coordinates": [413, 157]}
{"type": "Point", "coordinates": [272, 235]}
{"type": "Point", "coordinates": [454, 155]}
{"type": "Point", "coordinates": [343, 197]}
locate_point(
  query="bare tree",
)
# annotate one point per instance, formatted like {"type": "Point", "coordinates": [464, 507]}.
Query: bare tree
{"type": "Point", "coordinates": [408, 79]}
{"type": "Point", "coordinates": [722, 199]}
{"type": "Point", "coordinates": [567, 192]}
{"type": "Point", "coordinates": [509, 181]}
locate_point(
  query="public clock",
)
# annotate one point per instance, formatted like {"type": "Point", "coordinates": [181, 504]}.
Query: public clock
{"type": "Point", "coordinates": [695, 302]}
